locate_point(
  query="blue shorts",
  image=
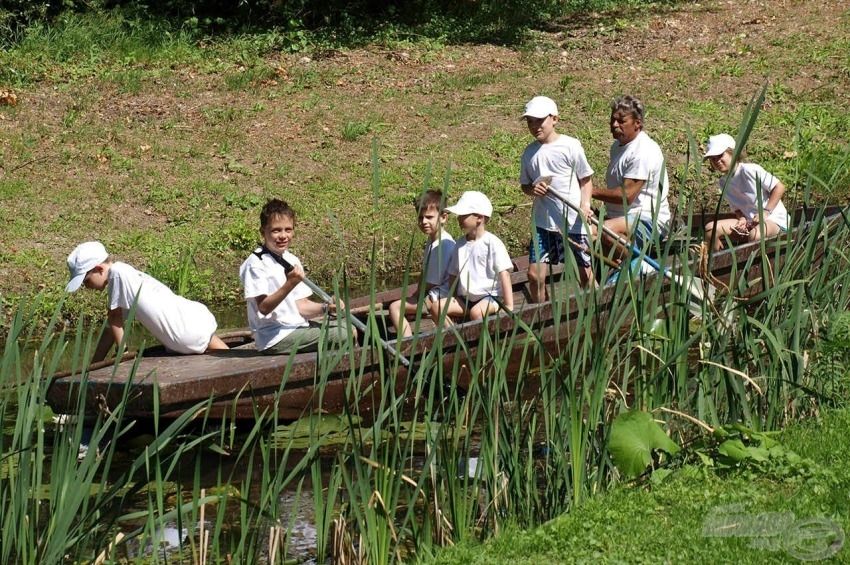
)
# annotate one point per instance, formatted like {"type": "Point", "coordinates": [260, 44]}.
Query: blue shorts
{"type": "Point", "coordinates": [548, 247]}
{"type": "Point", "coordinates": [643, 231]}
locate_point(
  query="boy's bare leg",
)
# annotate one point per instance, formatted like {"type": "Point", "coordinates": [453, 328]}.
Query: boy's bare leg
{"type": "Point", "coordinates": [714, 232]}
{"type": "Point", "coordinates": [537, 273]}
{"type": "Point", "coordinates": [402, 328]}
{"type": "Point", "coordinates": [450, 306]}
{"type": "Point", "coordinates": [482, 309]}
{"type": "Point", "coordinates": [216, 343]}
{"type": "Point", "coordinates": [770, 229]}
{"type": "Point", "coordinates": [399, 319]}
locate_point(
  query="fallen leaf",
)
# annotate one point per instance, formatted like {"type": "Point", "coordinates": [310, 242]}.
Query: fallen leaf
{"type": "Point", "coordinates": [8, 98]}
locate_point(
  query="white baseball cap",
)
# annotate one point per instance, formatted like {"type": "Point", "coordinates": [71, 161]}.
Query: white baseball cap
{"type": "Point", "coordinates": [85, 257]}
{"type": "Point", "coordinates": [472, 202]}
{"type": "Point", "coordinates": [719, 143]}
{"type": "Point", "coordinates": [540, 107]}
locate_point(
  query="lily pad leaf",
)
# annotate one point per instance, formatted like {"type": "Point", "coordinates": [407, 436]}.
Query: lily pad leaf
{"type": "Point", "coordinates": [634, 435]}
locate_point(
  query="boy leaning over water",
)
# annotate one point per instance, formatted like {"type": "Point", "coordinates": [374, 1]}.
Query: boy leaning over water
{"type": "Point", "coordinates": [480, 266]}
{"type": "Point", "coordinates": [438, 250]}
{"type": "Point", "coordinates": [181, 325]}
{"type": "Point", "coordinates": [277, 300]}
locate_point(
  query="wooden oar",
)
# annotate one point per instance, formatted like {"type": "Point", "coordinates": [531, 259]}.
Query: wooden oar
{"type": "Point", "coordinates": [327, 299]}
{"type": "Point", "coordinates": [695, 286]}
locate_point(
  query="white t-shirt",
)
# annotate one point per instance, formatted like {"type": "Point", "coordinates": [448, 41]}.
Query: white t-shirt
{"type": "Point", "coordinates": [181, 325]}
{"type": "Point", "coordinates": [477, 265]}
{"type": "Point", "coordinates": [743, 189]}
{"type": "Point", "coordinates": [261, 277]}
{"type": "Point", "coordinates": [564, 160]}
{"type": "Point", "coordinates": [435, 262]}
{"type": "Point", "coordinates": [640, 159]}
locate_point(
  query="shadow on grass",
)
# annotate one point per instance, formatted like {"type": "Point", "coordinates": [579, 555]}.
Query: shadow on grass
{"type": "Point", "coordinates": [303, 25]}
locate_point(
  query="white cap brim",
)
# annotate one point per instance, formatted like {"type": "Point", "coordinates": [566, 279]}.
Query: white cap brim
{"type": "Point", "coordinates": [458, 210]}
{"type": "Point", "coordinates": [75, 283]}
{"type": "Point", "coordinates": [714, 152]}
{"type": "Point", "coordinates": [719, 144]}
{"type": "Point", "coordinates": [534, 115]}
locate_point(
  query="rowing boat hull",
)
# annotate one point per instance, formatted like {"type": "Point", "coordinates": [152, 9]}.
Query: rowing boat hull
{"type": "Point", "coordinates": [241, 383]}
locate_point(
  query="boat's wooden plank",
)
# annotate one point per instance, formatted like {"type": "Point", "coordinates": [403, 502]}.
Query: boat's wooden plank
{"type": "Point", "coordinates": [244, 380]}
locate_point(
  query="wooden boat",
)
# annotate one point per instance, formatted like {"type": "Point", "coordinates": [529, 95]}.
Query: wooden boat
{"type": "Point", "coordinates": [242, 383]}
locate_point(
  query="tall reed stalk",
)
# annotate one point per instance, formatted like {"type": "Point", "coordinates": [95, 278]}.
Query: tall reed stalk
{"type": "Point", "coordinates": [511, 428]}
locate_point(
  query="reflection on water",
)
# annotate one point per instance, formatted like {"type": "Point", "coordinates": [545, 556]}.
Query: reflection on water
{"type": "Point", "coordinates": [297, 521]}
{"type": "Point", "coordinates": [301, 539]}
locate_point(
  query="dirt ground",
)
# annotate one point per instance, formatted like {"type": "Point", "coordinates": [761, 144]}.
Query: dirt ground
{"type": "Point", "coordinates": [165, 161]}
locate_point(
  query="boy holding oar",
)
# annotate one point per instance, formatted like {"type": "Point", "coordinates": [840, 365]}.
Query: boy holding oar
{"type": "Point", "coordinates": [554, 167]}
{"type": "Point", "coordinates": [277, 298]}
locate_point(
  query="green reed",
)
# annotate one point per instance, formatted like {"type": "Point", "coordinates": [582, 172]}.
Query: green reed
{"type": "Point", "coordinates": [538, 455]}
{"type": "Point", "coordinates": [534, 420]}
{"type": "Point", "coordinates": [478, 435]}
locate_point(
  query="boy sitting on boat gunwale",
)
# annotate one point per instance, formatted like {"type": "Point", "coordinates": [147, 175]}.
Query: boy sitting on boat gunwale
{"type": "Point", "coordinates": [749, 190]}
{"type": "Point", "coordinates": [432, 216]}
{"type": "Point", "coordinates": [181, 325]}
{"type": "Point", "coordinates": [278, 302]}
{"type": "Point", "coordinates": [480, 267]}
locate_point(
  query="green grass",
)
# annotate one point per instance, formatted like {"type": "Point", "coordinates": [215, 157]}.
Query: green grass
{"type": "Point", "coordinates": [665, 522]}
{"type": "Point", "coordinates": [351, 131]}
{"type": "Point", "coordinates": [395, 483]}
{"type": "Point", "coordinates": [224, 114]}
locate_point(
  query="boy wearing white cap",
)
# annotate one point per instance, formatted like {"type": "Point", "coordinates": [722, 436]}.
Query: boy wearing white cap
{"type": "Point", "coordinates": [181, 325]}
{"type": "Point", "coordinates": [554, 167]}
{"type": "Point", "coordinates": [480, 267]}
{"type": "Point", "coordinates": [753, 194]}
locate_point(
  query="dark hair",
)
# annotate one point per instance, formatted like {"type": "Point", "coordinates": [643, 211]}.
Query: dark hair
{"type": "Point", "coordinates": [275, 207]}
{"type": "Point", "coordinates": [430, 199]}
{"type": "Point", "coordinates": [629, 104]}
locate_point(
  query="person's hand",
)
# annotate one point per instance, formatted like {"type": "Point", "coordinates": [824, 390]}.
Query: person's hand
{"type": "Point", "coordinates": [742, 227]}
{"type": "Point", "coordinates": [540, 188]}
{"type": "Point", "coordinates": [586, 212]}
{"type": "Point", "coordinates": [296, 275]}
{"type": "Point", "coordinates": [332, 307]}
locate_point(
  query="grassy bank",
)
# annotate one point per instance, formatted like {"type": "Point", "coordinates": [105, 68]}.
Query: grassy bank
{"type": "Point", "coordinates": [163, 142]}
{"type": "Point", "coordinates": [678, 519]}
{"type": "Point", "coordinates": [402, 474]}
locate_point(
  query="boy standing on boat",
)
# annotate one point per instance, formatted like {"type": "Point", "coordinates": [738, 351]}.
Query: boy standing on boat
{"type": "Point", "coordinates": [553, 166]}
{"type": "Point", "coordinates": [278, 301]}
{"type": "Point", "coordinates": [752, 193]}
{"type": "Point", "coordinates": [438, 250]}
{"type": "Point", "coordinates": [181, 325]}
{"type": "Point", "coordinates": [480, 267]}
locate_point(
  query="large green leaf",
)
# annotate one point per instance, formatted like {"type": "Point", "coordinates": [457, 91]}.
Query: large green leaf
{"type": "Point", "coordinates": [634, 435]}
